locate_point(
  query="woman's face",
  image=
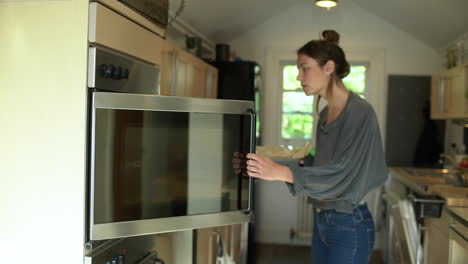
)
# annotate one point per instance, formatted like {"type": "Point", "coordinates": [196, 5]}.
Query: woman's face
{"type": "Point", "coordinates": [314, 79]}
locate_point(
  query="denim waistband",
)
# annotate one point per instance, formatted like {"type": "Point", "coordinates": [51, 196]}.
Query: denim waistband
{"type": "Point", "coordinates": [361, 204]}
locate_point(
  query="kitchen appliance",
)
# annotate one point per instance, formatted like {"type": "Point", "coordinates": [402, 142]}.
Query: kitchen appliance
{"type": "Point", "coordinates": [240, 80]}
{"type": "Point", "coordinates": [161, 163]}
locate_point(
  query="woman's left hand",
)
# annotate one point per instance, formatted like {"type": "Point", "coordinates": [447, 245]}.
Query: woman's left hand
{"type": "Point", "coordinates": [262, 167]}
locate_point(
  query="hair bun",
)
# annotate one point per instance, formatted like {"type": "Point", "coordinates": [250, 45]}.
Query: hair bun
{"type": "Point", "coordinates": [331, 35]}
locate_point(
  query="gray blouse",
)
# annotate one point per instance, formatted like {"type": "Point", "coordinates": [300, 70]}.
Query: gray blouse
{"type": "Point", "coordinates": [349, 159]}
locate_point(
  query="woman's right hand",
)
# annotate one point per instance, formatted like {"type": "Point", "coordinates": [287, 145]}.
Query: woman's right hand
{"type": "Point", "coordinates": [262, 167]}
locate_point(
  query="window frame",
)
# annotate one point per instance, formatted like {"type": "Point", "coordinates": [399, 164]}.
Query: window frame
{"type": "Point", "coordinates": [290, 142]}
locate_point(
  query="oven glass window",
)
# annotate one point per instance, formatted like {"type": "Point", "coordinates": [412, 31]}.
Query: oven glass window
{"type": "Point", "coordinates": [152, 164]}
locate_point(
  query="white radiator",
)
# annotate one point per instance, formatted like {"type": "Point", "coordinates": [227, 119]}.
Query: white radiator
{"type": "Point", "coordinates": [305, 214]}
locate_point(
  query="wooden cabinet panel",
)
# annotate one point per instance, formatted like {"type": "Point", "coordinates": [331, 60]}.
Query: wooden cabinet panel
{"type": "Point", "coordinates": [184, 79]}
{"type": "Point", "coordinates": [211, 82]}
{"type": "Point", "coordinates": [199, 79]}
{"type": "Point", "coordinates": [437, 245]}
{"type": "Point", "coordinates": [183, 74]}
{"type": "Point", "coordinates": [167, 68]}
{"type": "Point", "coordinates": [207, 244]}
{"type": "Point", "coordinates": [107, 28]}
{"type": "Point", "coordinates": [449, 94]}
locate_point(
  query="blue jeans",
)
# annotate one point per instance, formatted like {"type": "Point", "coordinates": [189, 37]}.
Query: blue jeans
{"type": "Point", "coordinates": [340, 238]}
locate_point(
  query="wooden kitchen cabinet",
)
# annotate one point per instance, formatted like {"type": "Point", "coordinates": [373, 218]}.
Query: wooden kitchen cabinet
{"type": "Point", "coordinates": [449, 94]}
{"type": "Point", "coordinates": [208, 244]}
{"type": "Point", "coordinates": [183, 74]}
{"type": "Point", "coordinates": [446, 239]}
{"type": "Point", "coordinates": [437, 241]}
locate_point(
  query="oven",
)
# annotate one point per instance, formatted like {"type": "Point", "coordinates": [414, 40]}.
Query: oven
{"type": "Point", "coordinates": [161, 163]}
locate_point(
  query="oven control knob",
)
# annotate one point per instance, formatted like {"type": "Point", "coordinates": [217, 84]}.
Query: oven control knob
{"type": "Point", "coordinates": [125, 74]}
{"type": "Point", "coordinates": [106, 70]}
{"type": "Point", "coordinates": [117, 73]}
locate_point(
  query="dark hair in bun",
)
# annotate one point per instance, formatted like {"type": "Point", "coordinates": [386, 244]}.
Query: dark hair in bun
{"type": "Point", "coordinates": [327, 49]}
{"type": "Point", "coordinates": [331, 35]}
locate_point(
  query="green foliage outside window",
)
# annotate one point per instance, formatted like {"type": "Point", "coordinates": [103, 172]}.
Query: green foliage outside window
{"type": "Point", "coordinates": [356, 80]}
{"type": "Point", "coordinates": [297, 102]}
{"type": "Point", "coordinates": [257, 110]}
{"type": "Point", "coordinates": [290, 73]}
{"type": "Point", "coordinates": [297, 126]}
{"type": "Point", "coordinates": [297, 120]}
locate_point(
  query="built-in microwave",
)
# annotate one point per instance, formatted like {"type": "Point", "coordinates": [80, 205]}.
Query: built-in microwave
{"type": "Point", "coordinates": [161, 163]}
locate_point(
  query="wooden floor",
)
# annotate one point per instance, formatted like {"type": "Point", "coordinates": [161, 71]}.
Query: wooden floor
{"type": "Point", "coordinates": [292, 254]}
{"type": "Point", "coordinates": [281, 254]}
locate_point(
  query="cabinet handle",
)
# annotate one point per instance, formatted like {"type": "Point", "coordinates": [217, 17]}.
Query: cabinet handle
{"type": "Point", "coordinates": [175, 67]}
{"type": "Point", "coordinates": [442, 95]}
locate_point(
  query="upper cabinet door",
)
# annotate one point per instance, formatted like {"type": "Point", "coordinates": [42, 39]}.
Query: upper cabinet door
{"type": "Point", "coordinates": [169, 57]}
{"type": "Point", "coordinates": [211, 87]}
{"type": "Point", "coordinates": [183, 74]}
{"type": "Point", "coordinates": [449, 94]}
{"type": "Point", "coordinates": [107, 27]}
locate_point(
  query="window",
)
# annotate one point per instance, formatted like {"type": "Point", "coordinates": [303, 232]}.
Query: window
{"type": "Point", "coordinates": [298, 111]}
{"type": "Point", "coordinates": [357, 79]}
{"type": "Point", "coordinates": [257, 104]}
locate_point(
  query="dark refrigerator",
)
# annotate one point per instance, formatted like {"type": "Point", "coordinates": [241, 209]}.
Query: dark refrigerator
{"type": "Point", "coordinates": [240, 80]}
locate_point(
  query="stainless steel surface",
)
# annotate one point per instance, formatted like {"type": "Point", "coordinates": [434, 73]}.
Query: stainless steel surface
{"type": "Point", "coordinates": [163, 225]}
{"type": "Point", "coordinates": [133, 249]}
{"type": "Point", "coordinates": [244, 243]}
{"type": "Point", "coordinates": [401, 230]}
{"type": "Point", "coordinates": [404, 235]}
{"type": "Point", "coordinates": [94, 248]}
{"type": "Point", "coordinates": [117, 72]}
{"type": "Point", "coordinates": [252, 150]}
{"type": "Point", "coordinates": [91, 67]}
{"type": "Point", "coordinates": [92, 169]}
{"type": "Point", "coordinates": [442, 95]}
{"type": "Point", "coordinates": [169, 103]}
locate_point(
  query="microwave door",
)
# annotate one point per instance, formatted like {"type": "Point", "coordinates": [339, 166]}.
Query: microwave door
{"type": "Point", "coordinates": [160, 164]}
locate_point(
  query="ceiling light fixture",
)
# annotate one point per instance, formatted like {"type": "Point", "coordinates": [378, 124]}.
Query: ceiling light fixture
{"type": "Point", "coordinates": [326, 3]}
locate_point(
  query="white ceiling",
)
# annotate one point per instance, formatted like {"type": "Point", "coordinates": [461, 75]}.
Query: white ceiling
{"type": "Point", "coordinates": [435, 22]}
{"type": "Point", "coordinates": [222, 20]}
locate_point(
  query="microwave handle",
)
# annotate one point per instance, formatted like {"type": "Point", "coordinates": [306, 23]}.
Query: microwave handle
{"type": "Point", "coordinates": [252, 150]}
{"type": "Point", "coordinates": [253, 130]}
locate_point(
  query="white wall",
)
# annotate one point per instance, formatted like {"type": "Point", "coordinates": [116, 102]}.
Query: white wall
{"type": "Point", "coordinates": [42, 137]}
{"type": "Point", "coordinates": [363, 36]}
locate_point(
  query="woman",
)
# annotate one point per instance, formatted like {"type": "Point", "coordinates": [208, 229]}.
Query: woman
{"type": "Point", "coordinates": [349, 158]}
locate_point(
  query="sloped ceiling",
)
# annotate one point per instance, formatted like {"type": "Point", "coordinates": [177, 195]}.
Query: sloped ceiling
{"type": "Point", "coordinates": [435, 22]}
{"type": "Point", "coordinates": [223, 20]}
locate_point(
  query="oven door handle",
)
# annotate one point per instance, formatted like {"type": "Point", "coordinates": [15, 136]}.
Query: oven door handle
{"type": "Point", "coordinates": [253, 130]}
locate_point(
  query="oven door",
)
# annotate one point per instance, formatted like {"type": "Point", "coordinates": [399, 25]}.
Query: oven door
{"type": "Point", "coordinates": [163, 163]}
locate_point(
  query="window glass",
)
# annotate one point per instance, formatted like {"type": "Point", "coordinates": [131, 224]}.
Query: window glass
{"type": "Point", "coordinates": [298, 111]}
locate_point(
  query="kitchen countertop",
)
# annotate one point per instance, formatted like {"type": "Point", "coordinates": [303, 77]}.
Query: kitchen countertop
{"type": "Point", "coordinates": [418, 184]}
{"type": "Point", "coordinates": [461, 212]}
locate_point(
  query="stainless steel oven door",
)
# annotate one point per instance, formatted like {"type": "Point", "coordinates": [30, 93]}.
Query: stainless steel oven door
{"type": "Point", "coordinates": [162, 164]}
